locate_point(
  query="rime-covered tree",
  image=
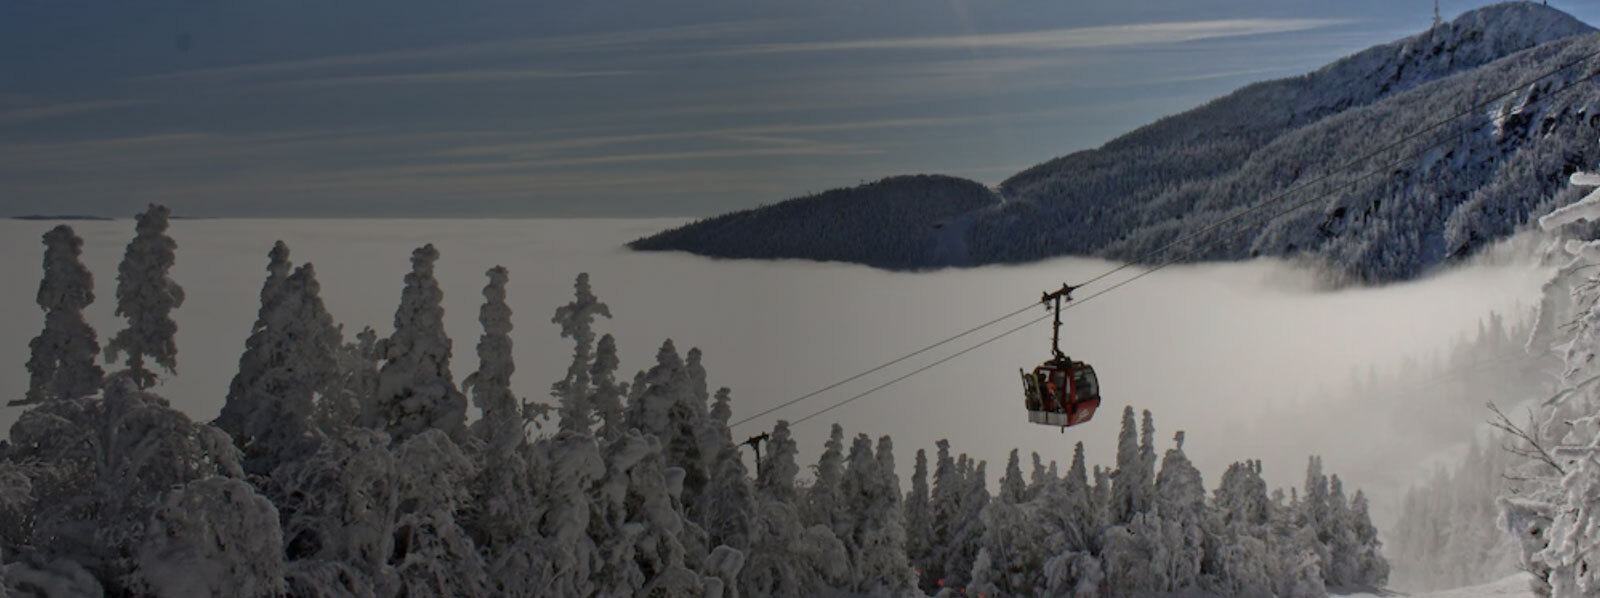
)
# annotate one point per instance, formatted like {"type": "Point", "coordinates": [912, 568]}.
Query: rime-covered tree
{"type": "Point", "coordinates": [288, 361]}
{"type": "Point", "coordinates": [654, 393]}
{"type": "Point", "coordinates": [577, 320]}
{"type": "Point", "coordinates": [502, 516]}
{"type": "Point", "coordinates": [822, 498]}
{"type": "Point", "coordinates": [339, 508]}
{"type": "Point", "coordinates": [945, 508]}
{"type": "Point", "coordinates": [645, 555]}
{"type": "Point", "coordinates": [1313, 512]}
{"type": "Point", "coordinates": [351, 397]}
{"type": "Point", "coordinates": [1180, 499]}
{"type": "Point", "coordinates": [1129, 487]}
{"type": "Point", "coordinates": [1338, 534]}
{"type": "Point", "coordinates": [786, 558]}
{"type": "Point", "coordinates": [62, 364]}
{"type": "Point", "coordinates": [212, 537]}
{"type": "Point", "coordinates": [99, 466]}
{"type": "Point", "coordinates": [433, 554]}
{"type": "Point", "coordinates": [918, 514]}
{"type": "Point", "coordinates": [260, 345]}
{"type": "Point", "coordinates": [777, 476]}
{"type": "Point", "coordinates": [416, 391]}
{"type": "Point", "coordinates": [608, 393]}
{"type": "Point", "coordinates": [968, 526]}
{"type": "Point", "coordinates": [1372, 569]}
{"type": "Point", "coordinates": [870, 522]}
{"type": "Point", "coordinates": [500, 427]}
{"type": "Point", "coordinates": [1012, 488]}
{"type": "Point", "coordinates": [730, 497]}
{"type": "Point", "coordinates": [693, 441]}
{"type": "Point", "coordinates": [1012, 552]}
{"type": "Point", "coordinates": [146, 296]}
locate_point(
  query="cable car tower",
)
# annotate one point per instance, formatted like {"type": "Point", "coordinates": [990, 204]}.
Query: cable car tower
{"type": "Point", "coordinates": [1060, 392]}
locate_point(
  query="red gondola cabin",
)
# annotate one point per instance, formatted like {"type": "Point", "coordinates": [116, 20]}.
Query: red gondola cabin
{"type": "Point", "coordinates": [1060, 392]}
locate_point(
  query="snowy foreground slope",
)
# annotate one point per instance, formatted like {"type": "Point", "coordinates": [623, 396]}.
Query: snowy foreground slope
{"type": "Point", "coordinates": [1453, 189]}
{"type": "Point", "coordinates": [1515, 586]}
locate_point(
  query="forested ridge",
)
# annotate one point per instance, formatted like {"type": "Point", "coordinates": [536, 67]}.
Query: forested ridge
{"type": "Point", "coordinates": [1456, 188]}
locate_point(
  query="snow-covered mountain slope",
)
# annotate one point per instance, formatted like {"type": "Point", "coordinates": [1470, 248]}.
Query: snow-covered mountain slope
{"type": "Point", "coordinates": [1458, 186]}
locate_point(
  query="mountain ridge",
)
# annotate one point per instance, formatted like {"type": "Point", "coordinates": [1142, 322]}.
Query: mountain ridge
{"type": "Point", "coordinates": [1145, 188]}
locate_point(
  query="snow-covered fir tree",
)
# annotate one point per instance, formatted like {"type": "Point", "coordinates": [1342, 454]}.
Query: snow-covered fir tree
{"type": "Point", "coordinates": [212, 537]}
{"type": "Point", "coordinates": [416, 391]}
{"type": "Point", "coordinates": [577, 320]}
{"type": "Point", "coordinates": [61, 362]}
{"type": "Point", "coordinates": [608, 393]}
{"type": "Point", "coordinates": [146, 296]}
{"type": "Point", "coordinates": [350, 397]}
{"type": "Point", "coordinates": [289, 364]}
{"type": "Point", "coordinates": [500, 427]}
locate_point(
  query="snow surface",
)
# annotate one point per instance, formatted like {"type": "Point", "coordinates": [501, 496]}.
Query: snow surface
{"type": "Point", "coordinates": [1515, 586]}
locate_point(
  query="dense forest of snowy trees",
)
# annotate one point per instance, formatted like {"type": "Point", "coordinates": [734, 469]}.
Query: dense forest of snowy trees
{"type": "Point", "coordinates": [1456, 189]}
{"type": "Point", "coordinates": [349, 467]}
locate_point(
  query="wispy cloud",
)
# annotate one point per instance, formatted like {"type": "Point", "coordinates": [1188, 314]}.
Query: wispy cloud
{"type": "Point", "coordinates": [475, 50]}
{"type": "Point", "coordinates": [453, 77]}
{"type": "Point", "coordinates": [1105, 36]}
{"type": "Point", "coordinates": [550, 146]}
{"type": "Point", "coordinates": [22, 115]}
{"type": "Point", "coordinates": [788, 149]}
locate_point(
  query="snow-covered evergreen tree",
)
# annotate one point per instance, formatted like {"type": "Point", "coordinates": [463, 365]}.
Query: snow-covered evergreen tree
{"type": "Point", "coordinates": [918, 515]}
{"type": "Point", "coordinates": [577, 320]}
{"type": "Point", "coordinates": [1128, 485]}
{"type": "Point", "coordinates": [643, 556]}
{"type": "Point", "coordinates": [416, 391]}
{"type": "Point", "coordinates": [1372, 569]}
{"type": "Point", "coordinates": [212, 537]}
{"type": "Point", "coordinates": [968, 527]}
{"type": "Point", "coordinates": [822, 498]}
{"type": "Point", "coordinates": [61, 363]}
{"type": "Point", "coordinates": [730, 497]}
{"type": "Point", "coordinates": [787, 558]}
{"type": "Point", "coordinates": [146, 296]}
{"type": "Point", "coordinates": [945, 508]}
{"type": "Point", "coordinates": [98, 467]}
{"type": "Point", "coordinates": [1012, 488]}
{"type": "Point", "coordinates": [338, 509]}
{"type": "Point", "coordinates": [289, 359]}
{"type": "Point", "coordinates": [433, 554]}
{"type": "Point", "coordinates": [608, 393]}
{"type": "Point", "coordinates": [1012, 552]}
{"type": "Point", "coordinates": [500, 427]}
{"type": "Point", "coordinates": [351, 396]}
{"type": "Point", "coordinates": [1180, 498]}
{"type": "Point", "coordinates": [654, 393]}
{"type": "Point", "coordinates": [259, 348]}
{"type": "Point", "coordinates": [502, 516]}
{"type": "Point", "coordinates": [1338, 533]}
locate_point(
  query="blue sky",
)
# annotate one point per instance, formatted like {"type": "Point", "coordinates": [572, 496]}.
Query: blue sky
{"type": "Point", "coordinates": [605, 107]}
